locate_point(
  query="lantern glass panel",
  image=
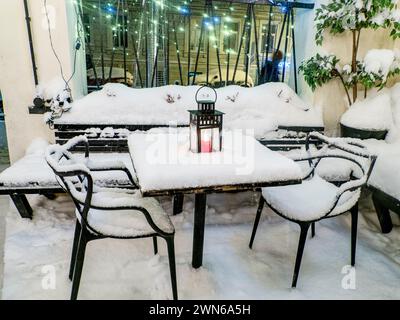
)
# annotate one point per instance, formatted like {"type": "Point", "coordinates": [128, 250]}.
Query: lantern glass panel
{"type": "Point", "coordinates": [209, 140]}
{"type": "Point", "coordinates": [193, 135]}
{"type": "Point", "coordinates": [204, 139]}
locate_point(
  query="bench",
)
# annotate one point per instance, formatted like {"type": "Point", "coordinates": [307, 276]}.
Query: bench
{"type": "Point", "coordinates": [384, 203]}
{"type": "Point", "coordinates": [113, 138]}
{"type": "Point", "coordinates": [32, 175]}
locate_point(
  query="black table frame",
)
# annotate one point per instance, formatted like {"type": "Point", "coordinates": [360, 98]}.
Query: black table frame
{"type": "Point", "coordinates": [201, 204]}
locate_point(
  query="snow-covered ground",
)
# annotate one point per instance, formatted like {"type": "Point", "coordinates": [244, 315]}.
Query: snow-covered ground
{"type": "Point", "coordinates": [127, 269]}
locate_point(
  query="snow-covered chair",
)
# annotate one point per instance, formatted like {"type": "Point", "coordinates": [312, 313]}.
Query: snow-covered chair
{"type": "Point", "coordinates": [315, 198]}
{"type": "Point", "coordinates": [106, 212]}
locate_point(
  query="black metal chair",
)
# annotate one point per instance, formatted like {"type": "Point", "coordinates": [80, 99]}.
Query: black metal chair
{"type": "Point", "coordinates": [316, 199]}
{"type": "Point", "coordinates": [106, 212]}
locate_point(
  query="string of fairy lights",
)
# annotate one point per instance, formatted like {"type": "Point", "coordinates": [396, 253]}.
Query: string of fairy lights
{"type": "Point", "coordinates": [111, 12]}
{"type": "Point", "coordinates": [154, 26]}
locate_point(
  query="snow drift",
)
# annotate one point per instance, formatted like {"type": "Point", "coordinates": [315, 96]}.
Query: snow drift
{"type": "Point", "coordinates": [264, 107]}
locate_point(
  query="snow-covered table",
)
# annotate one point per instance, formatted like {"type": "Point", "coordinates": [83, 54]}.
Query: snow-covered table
{"type": "Point", "coordinates": [165, 166]}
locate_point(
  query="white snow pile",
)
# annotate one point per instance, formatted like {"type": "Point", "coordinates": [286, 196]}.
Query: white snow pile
{"type": "Point", "coordinates": [381, 61]}
{"type": "Point", "coordinates": [395, 98]}
{"type": "Point", "coordinates": [380, 111]}
{"type": "Point", "coordinates": [52, 89]}
{"type": "Point", "coordinates": [37, 147]}
{"type": "Point", "coordinates": [386, 173]}
{"type": "Point", "coordinates": [263, 108]}
{"type": "Point", "coordinates": [373, 113]}
{"type": "Point", "coordinates": [32, 169]}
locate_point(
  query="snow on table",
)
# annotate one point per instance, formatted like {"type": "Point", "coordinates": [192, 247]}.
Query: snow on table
{"type": "Point", "coordinates": [262, 108]}
{"type": "Point", "coordinates": [163, 162]}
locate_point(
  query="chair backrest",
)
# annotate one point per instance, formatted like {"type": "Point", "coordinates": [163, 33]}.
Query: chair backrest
{"type": "Point", "coordinates": [342, 148]}
{"type": "Point", "coordinates": [72, 173]}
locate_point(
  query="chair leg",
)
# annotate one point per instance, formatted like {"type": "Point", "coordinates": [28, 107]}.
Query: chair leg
{"type": "Point", "coordinates": [354, 221]}
{"type": "Point", "coordinates": [312, 229]}
{"type": "Point", "coordinates": [80, 256]}
{"type": "Point", "coordinates": [257, 220]}
{"type": "Point", "coordinates": [304, 226]}
{"type": "Point", "coordinates": [155, 246]}
{"type": "Point", "coordinates": [172, 267]}
{"type": "Point", "coordinates": [74, 248]}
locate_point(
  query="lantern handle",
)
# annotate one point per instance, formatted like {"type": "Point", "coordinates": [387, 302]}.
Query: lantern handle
{"type": "Point", "coordinates": [198, 90]}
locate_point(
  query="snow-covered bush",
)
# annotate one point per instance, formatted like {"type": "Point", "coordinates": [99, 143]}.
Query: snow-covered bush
{"type": "Point", "coordinates": [339, 16]}
{"type": "Point", "coordinates": [320, 69]}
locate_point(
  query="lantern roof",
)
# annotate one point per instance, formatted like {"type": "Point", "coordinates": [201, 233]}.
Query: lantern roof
{"type": "Point", "coordinates": [202, 112]}
{"type": "Point", "coordinates": [206, 101]}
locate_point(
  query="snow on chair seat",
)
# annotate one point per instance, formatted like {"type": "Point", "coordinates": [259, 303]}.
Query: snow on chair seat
{"type": "Point", "coordinates": [310, 200]}
{"type": "Point", "coordinates": [125, 223]}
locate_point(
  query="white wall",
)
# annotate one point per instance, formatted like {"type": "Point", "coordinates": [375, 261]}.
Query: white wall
{"type": "Point", "coordinates": [16, 76]}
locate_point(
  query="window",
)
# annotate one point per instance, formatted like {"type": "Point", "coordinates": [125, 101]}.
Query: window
{"type": "Point", "coordinates": [211, 33]}
{"type": "Point", "coordinates": [264, 37]}
{"type": "Point", "coordinates": [120, 33]}
{"type": "Point", "coordinates": [86, 26]}
{"type": "Point", "coordinates": [195, 36]}
{"type": "Point", "coordinates": [230, 36]}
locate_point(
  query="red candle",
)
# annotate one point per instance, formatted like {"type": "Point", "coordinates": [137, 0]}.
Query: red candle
{"type": "Point", "coordinates": [206, 146]}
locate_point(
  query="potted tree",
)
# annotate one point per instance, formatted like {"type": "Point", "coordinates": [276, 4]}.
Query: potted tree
{"type": "Point", "coordinates": [353, 16]}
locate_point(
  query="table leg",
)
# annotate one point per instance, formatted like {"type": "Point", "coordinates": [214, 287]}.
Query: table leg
{"type": "Point", "coordinates": [198, 232]}
{"type": "Point", "coordinates": [178, 204]}
{"type": "Point", "coordinates": [22, 205]}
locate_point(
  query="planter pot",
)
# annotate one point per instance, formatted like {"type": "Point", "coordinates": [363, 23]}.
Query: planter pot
{"type": "Point", "coordinates": [350, 132]}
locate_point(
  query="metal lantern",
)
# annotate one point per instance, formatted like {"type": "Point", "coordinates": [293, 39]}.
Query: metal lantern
{"type": "Point", "coordinates": [205, 122]}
